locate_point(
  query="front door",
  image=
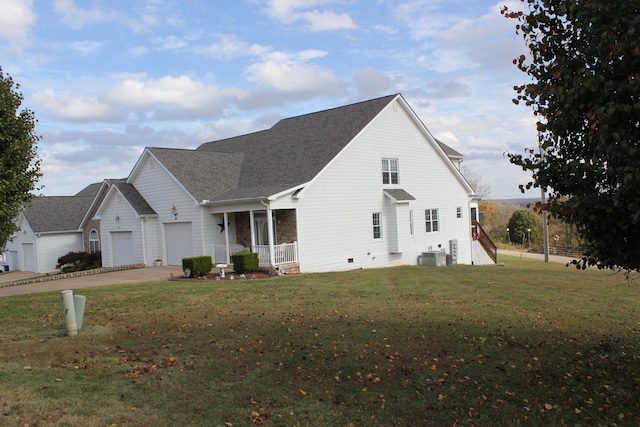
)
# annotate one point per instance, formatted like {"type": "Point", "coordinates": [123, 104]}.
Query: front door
{"type": "Point", "coordinates": [262, 230]}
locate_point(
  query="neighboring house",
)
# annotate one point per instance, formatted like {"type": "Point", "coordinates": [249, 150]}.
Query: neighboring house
{"type": "Point", "coordinates": [49, 228]}
{"type": "Point", "coordinates": [360, 186]}
{"type": "Point", "coordinates": [52, 226]}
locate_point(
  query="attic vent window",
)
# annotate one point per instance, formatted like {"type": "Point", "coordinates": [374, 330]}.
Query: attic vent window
{"type": "Point", "coordinates": [390, 174]}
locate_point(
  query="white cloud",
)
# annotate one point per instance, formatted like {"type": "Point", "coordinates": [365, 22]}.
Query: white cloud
{"type": "Point", "coordinates": [74, 108]}
{"type": "Point", "coordinates": [138, 51]}
{"type": "Point", "coordinates": [86, 47]}
{"type": "Point", "coordinates": [290, 73]}
{"type": "Point", "coordinates": [292, 11]}
{"type": "Point", "coordinates": [76, 17]}
{"type": "Point", "coordinates": [229, 46]}
{"type": "Point", "coordinates": [370, 83]}
{"type": "Point", "coordinates": [454, 42]}
{"type": "Point", "coordinates": [170, 43]}
{"type": "Point", "coordinates": [16, 19]}
{"type": "Point", "coordinates": [143, 23]}
{"type": "Point", "coordinates": [166, 96]}
{"type": "Point", "coordinates": [327, 21]}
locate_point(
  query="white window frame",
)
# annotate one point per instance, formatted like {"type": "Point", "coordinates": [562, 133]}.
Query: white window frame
{"type": "Point", "coordinates": [411, 228]}
{"type": "Point", "coordinates": [431, 220]}
{"type": "Point", "coordinates": [94, 242]}
{"type": "Point", "coordinates": [459, 212]}
{"type": "Point", "coordinates": [390, 171]}
{"type": "Point", "coordinates": [376, 222]}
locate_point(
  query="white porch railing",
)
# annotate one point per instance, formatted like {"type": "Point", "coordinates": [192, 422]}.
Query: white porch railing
{"type": "Point", "coordinates": [285, 253]}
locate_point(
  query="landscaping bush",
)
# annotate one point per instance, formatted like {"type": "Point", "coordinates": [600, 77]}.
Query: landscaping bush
{"type": "Point", "coordinates": [79, 261]}
{"type": "Point", "coordinates": [198, 265]}
{"type": "Point", "coordinates": [245, 262]}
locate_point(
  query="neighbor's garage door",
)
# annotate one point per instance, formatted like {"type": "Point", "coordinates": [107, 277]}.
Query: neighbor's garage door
{"type": "Point", "coordinates": [122, 247]}
{"type": "Point", "coordinates": [179, 242]}
{"type": "Point", "coordinates": [29, 257]}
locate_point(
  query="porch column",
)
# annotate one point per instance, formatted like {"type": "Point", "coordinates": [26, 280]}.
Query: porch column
{"type": "Point", "coordinates": [225, 221]}
{"type": "Point", "coordinates": [272, 253]}
{"type": "Point", "coordinates": [252, 231]}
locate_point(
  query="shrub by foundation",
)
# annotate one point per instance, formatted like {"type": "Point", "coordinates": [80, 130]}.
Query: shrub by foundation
{"type": "Point", "coordinates": [79, 261]}
{"type": "Point", "coordinates": [198, 265]}
{"type": "Point", "coordinates": [245, 262]}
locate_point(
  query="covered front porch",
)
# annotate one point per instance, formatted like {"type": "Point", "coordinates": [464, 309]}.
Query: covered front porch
{"type": "Point", "coordinates": [274, 241]}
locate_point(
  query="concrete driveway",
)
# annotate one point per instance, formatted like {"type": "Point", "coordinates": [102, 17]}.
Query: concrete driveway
{"type": "Point", "coordinates": [137, 275]}
{"type": "Point", "coordinates": [525, 254]}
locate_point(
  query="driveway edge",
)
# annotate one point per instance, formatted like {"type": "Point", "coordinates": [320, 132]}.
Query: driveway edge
{"type": "Point", "coordinates": [48, 278]}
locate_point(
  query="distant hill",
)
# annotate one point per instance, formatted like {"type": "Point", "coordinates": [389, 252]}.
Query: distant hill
{"type": "Point", "coordinates": [516, 202]}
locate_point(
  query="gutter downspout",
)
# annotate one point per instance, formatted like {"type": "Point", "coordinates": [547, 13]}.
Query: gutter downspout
{"type": "Point", "coordinates": [272, 253]}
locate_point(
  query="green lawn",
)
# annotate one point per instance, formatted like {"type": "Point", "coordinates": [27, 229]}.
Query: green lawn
{"type": "Point", "coordinates": [526, 343]}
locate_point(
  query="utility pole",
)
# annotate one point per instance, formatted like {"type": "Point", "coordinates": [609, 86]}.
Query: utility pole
{"type": "Point", "coordinates": [545, 231]}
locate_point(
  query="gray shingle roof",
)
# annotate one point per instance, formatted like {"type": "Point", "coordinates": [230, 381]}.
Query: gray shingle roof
{"type": "Point", "coordinates": [260, 164]}
{"type": "Point", "coordinates": [206, 175]}
{"type": "Point", "coordinates": [135, 199]}
{"type": "Point", "coordinates": [450, 152]}
{"type": "Point", "coordinates": [56, 213]}
{"type": "Point", "coordinates": [289, 154]}
{"type": "Point", "coordinates": [399, 194]}
{"type": "Point", "coordinates": [90, 190]}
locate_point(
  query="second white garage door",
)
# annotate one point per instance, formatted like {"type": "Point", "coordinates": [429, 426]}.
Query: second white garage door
{"type": "Point", "coordinates": [179, 242]}
{"type": "Point", "coordinates": [122, 247]}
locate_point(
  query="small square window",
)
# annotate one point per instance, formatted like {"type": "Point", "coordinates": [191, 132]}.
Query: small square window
{"type": "Point", "coordinates": [458, 212]}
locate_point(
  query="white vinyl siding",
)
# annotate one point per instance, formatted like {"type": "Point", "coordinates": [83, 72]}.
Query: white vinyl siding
{"type": "Point", "coordinates": [40, 253]}
{"type": "Point", "coordinates": [50, 247]}
{"type": "Point", "coordinates": [335, 220]}
{"type": "Point", "coordinates": [148, 179]}
{"type": "Point", "coordinates": [117, 216]}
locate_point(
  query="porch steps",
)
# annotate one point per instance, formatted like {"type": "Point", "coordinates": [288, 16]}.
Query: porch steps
{"type": "Point", "coordinates": [291, 268]}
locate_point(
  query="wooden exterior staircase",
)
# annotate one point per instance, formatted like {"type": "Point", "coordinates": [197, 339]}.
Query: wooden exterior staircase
{"type": "Point", "coordinates": [485, 241]}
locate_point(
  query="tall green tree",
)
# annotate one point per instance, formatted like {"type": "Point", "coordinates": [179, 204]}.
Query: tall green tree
{"type": "Point", "coordinates": [523, 227]}
{"type": "Point", "coordinates": [19, 162]}
{"type": "Point", "coordinates": [584, 63]}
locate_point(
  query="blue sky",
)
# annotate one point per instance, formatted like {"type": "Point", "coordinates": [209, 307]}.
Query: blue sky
{"type": "Point", "coordinates": [106, 78]}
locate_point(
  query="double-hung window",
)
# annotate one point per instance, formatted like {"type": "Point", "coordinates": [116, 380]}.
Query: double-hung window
{"type": "Point", "coordinates": [431, 220]}
{"type": "Point", "coordinates": [377, 225]}
{"type": "Point", "coordinates": [390, 173]}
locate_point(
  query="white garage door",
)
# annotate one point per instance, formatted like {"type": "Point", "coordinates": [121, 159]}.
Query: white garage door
{"type": "Point", "coordinates": [122, 247]}
{"type": "Point", "coordinates": [179, 242]}
{"type": "Point", "coordinates": [12, 260]}
{"type": "Point", "coordinates": [29, 257]}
